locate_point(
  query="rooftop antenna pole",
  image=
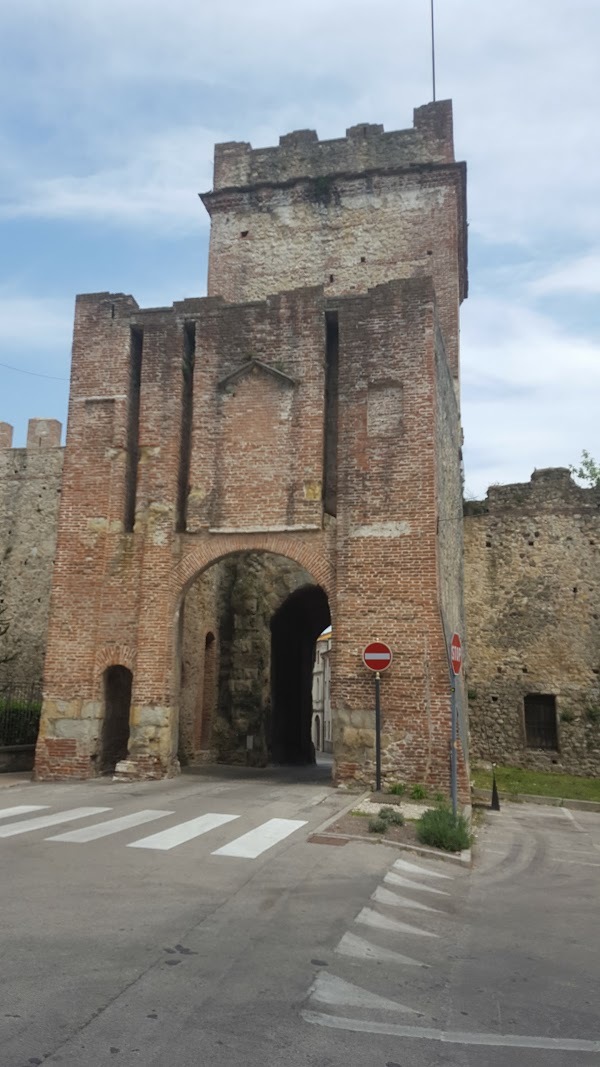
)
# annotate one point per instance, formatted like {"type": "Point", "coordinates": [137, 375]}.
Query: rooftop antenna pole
{"type": "Point", "coordinates": [433, 50]}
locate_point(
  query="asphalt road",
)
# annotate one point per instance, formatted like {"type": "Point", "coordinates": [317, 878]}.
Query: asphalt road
{"type": "Point", "coordinates": [225, 937]}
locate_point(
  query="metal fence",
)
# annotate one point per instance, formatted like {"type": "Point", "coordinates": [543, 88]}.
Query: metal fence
{"type": "Point", "coordinates": [20, 707]}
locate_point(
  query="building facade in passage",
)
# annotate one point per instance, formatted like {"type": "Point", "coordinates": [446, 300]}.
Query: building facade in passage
{"type": "Point", "coordinates": [305, 411]}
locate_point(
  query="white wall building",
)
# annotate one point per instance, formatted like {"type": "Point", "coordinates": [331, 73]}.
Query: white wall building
{"type": "Point", "coordinates": [321, 695]}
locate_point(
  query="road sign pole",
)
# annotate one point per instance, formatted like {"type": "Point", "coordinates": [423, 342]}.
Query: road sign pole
{"type": "Point", "coordinates": [377, 732]}
{"type": "Point", "coordinates": [453, 753]}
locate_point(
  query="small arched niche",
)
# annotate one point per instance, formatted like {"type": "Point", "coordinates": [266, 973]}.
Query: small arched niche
{"type": "Point", "coordinates": [117, 682]}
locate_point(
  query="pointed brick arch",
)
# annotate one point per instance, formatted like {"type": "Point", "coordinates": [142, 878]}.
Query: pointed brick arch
{"type": "Point", "coordinates": [309, 552]}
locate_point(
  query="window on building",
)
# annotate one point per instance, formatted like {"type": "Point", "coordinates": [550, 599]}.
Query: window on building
{"type": "Point", "coordinates": [540, 721]}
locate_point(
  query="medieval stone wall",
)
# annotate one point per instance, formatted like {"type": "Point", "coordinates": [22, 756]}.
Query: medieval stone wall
{"type": "Point", "coordinates": [449, 475]}
{"type": "Point", "coordinates": [532, 573]}
{"type": "Point", "coordinates": [198, 431]}
{"type": "Point", "coordinates": [348, 214]}
{"type": "Point", "coordinates": [30, 484]}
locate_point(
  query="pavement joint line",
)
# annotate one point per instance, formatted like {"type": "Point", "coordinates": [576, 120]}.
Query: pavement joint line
{"type": "Point", "coordinates": [556, 1044]}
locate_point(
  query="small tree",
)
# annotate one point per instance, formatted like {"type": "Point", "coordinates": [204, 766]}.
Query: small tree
{"type": "Point", "coordinates": [588, 470]}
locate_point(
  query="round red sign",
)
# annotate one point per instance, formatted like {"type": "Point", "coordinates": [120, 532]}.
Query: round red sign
{"type": "Point", "coordinates": [456, 653]}
{"type": "Point", "coordinates": [377, 656]}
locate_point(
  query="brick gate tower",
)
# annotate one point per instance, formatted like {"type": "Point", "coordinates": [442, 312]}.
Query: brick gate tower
{"type": "Point", "coordinates": [307, 408]}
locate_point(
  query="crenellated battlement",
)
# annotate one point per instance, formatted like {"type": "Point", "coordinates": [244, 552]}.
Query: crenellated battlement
{"type": "Point", "coordinates": [41, 434]}
{"type": "Point", "coordinates": [549, 489]}
{"type": "Point", "coordinates": [365, 147]}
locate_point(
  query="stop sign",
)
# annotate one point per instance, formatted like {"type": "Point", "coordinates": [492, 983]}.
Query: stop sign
{"type": "Point", "coordinates": [377, 656]}
{"type": "Point", "coordinates": [456, 653]}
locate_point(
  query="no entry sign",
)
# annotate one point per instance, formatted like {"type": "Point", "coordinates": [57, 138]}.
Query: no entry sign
{"type": "Point", "coordinates": [456, 653]}
{"type": "Point", "coordinates": [377, 656]}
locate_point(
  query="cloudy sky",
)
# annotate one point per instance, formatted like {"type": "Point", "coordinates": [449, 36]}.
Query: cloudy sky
{"type": "Point", "coordinates": [109, 112]}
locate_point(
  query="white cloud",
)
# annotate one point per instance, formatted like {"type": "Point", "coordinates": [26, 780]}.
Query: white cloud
{"type": "Point", "coordinates": [581, 275]}
{"type": "Point", "coordinates": [30, 322]}
{"type": "Point", "coordinates": [156, 183]}
{"type": "Point", "coordinates": [531, 393]}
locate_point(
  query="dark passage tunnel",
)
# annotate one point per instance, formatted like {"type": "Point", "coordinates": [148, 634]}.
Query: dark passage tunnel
{"type": "Point", "coordinates": [295, 627]}
{"type": "Point", "coordinates": [115, 729]}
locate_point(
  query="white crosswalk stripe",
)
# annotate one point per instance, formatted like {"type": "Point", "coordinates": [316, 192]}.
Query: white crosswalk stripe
{"type": "Point", "coordinates": [414, 868]}
{"type": "Point", "coordinates": [257, 841]}
{"type": "Point", "coordinates": [21, 809]}
{"type": "Point", "coordinates": [397, 879]}
{"type": "Point", "coordinates": [112, 826]}
{"type": "Point", "coordinates": [385, 896]}
{"type": "Point", "coordinates": [40, 823]}
{"type": "Point", "coordinates": [248, 846]}
{"type": "Point", "coordinates": [184, 831]}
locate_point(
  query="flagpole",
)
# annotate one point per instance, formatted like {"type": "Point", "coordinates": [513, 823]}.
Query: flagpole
{"type": "Point", "coordinates": [433, 50]}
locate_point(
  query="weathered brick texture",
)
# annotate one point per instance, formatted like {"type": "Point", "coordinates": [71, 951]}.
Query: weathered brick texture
{"type": "Point", "coordinates": [370, 228]}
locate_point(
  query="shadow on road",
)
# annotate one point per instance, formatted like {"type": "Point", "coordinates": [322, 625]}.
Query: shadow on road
{"type": "Point", "coordinates": [320, 771]}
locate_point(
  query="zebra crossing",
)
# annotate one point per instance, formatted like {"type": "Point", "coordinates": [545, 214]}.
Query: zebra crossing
{"type": "Point", "coordinates": [249, 845]}
{"type": "Point", "coordinates": [337, 1001]}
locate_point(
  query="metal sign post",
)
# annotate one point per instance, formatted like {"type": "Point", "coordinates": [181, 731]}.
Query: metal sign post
{"type": "Point", "coordinates": [378, 732]}
{"type": "Point", "coordinates": [377, 657]}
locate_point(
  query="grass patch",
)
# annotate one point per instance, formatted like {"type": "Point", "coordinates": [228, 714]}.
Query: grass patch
{"type": "Point", "coordinates": [397, 789]}
{"type": "Point", "coordinates": [440, 828]}
{"type": "Point", "coordinates": [539, 783]}
{"type": "Point", "coordinates": [418, 792]}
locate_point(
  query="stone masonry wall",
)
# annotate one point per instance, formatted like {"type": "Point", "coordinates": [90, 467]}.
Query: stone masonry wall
{"type": "Point", "coordinates": [450, 527]}
{"type": "Point", "coordinates": [348, 214]}
{"type": "Point", "coordinates": [532, 566]}
{"type": "Point", "coordinates": [30, 483]}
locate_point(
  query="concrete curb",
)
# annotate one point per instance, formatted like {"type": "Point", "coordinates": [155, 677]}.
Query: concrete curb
{"type": "Point", "coordinates": [463, 859]}
{"type": "Point", "coordinates": [548, 802]}
{"type": "Point", "coordinates": [356, 799]}
{"type": "Point", "coordinates": [7, 781]}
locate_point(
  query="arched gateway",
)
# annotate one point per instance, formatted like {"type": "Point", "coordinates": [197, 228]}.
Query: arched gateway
{"type": "Point", "coordinates": [306, 411]}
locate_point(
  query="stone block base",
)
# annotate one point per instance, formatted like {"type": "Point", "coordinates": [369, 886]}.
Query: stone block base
{"type": "Point", "coordinates": [145, 768]}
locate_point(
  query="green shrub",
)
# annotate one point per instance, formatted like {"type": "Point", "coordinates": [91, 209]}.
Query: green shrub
{"type": "Point", "coordinates": [440, 798]}
{"type": "Point", "coordinates": [592, 713]}
{"type": "Point", "coordinates": [386, 813]}
{"type": "Point", "coordinates": [395, 819]}
{"type": "Point", "coordinates": [418, 792]}
{"type": "Point", "coordinates": [440, 828]}
{"type": "Point", "coordinates": [398, 789]}
{"type": "Point", "coordinates": [377, 826]}
{"type": "Point", "coordinates": [567, 715]}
